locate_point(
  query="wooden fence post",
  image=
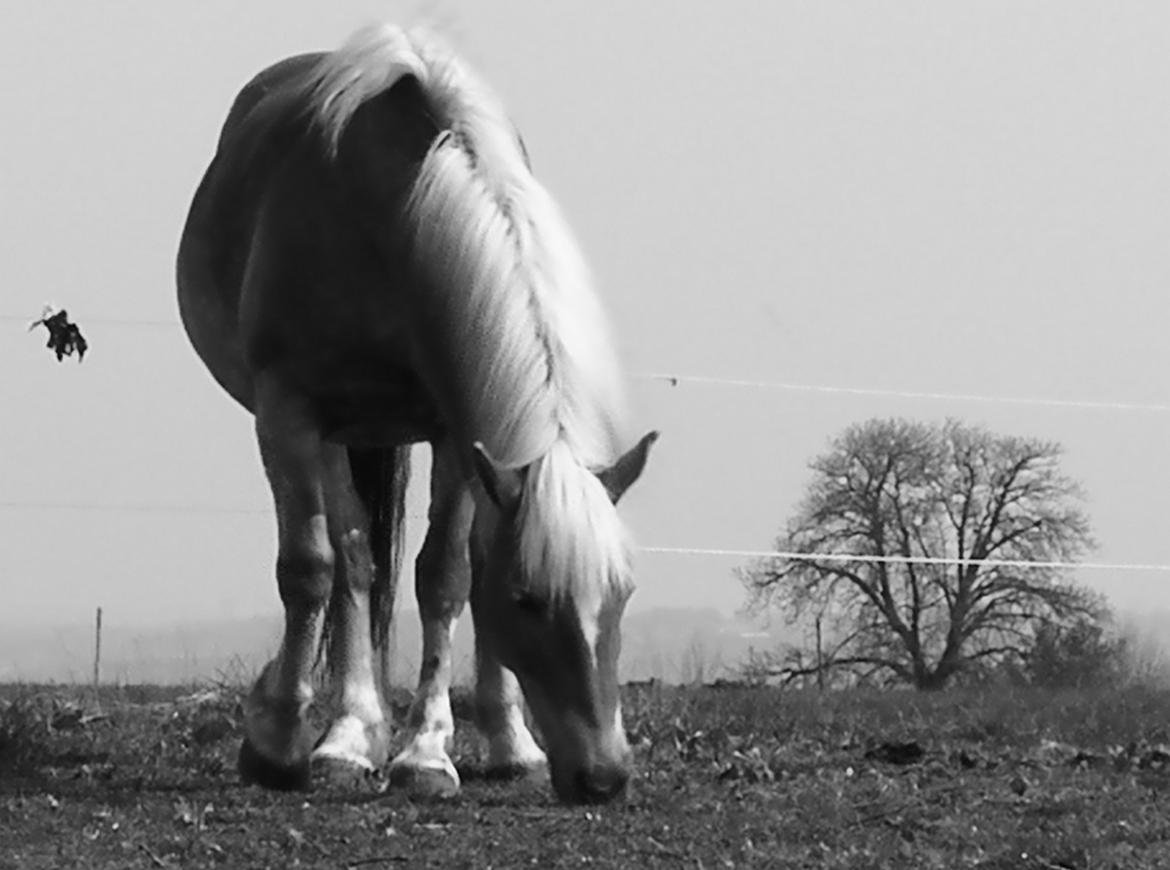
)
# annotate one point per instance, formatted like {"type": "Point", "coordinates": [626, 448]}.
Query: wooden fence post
{"type": "Point", "coordinates": [97, 655]}
{"type": "Point", "coordinates": [820, 659]}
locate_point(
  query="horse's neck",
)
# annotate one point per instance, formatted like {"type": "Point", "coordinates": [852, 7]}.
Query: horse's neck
{"type": "Point", "coordinates": [517, 337]}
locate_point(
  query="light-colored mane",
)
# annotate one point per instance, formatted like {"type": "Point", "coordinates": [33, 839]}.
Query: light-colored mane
{"type": "Point", "coordinates": [518, 328]}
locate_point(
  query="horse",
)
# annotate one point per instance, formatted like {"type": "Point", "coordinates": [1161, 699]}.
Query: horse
{"type": "Point", "coordinates": [369, 263]}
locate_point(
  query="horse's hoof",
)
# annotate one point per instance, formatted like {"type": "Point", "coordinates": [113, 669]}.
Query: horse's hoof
{"type": "Point", "coordinates": [255, 769]}
{"type": "Point", "coordinates": [426, 783]}
{"type": "Point", "coordinates": [347, 773]}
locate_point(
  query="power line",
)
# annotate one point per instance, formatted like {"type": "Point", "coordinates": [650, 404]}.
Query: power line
{"type": "Point", "coordinates": [675, 380]}
{"type": "Point", "coordinates": [101, 321]}
{"type": "Point", "coordinates": [678, 551]}
{"type": "Point", "coordinates": [120, 507]}
{"type": "Point", "coordinates": [903, 560]}
{"type": "Point", "coordinates": [143, 507]}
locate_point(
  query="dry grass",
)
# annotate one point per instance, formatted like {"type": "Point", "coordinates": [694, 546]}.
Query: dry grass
{"type": "Point", "coordinates": [727, 778]}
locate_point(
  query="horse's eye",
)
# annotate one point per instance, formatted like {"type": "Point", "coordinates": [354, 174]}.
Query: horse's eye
{"type": "Point", "coordinates": [531, 604]}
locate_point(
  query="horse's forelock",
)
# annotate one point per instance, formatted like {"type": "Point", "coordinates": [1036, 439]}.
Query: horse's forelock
{"type": "Point", "coordinates": [571, 541]}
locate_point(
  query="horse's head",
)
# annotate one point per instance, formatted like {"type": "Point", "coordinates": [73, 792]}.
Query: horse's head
{"type": "Point", "coordinates": [553, 580]}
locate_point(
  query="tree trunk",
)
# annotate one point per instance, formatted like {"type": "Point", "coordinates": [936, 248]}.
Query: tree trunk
{"type": "Point", "coordinates": [931, 681]}
{"type": "Point", "coordinates": [936, 679]}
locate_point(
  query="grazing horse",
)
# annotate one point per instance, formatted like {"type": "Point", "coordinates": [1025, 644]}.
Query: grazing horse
{"type": "Point", "coordinates": [369, 263]}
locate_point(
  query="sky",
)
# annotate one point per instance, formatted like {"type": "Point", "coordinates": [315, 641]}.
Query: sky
{"type": "Point", "coordinates": [931, 197]}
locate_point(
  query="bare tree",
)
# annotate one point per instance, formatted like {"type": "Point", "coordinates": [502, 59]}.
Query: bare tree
{"type": "Point", "coordinates": [941, 499]}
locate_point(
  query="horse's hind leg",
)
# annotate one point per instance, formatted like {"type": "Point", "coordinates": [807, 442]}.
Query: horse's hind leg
{"type": "Point", "coordinates": [275, 752]}
{"type": "Point", "coordinates": [357, 741]}
{"type": "Point", "coordinates": [442, 581]}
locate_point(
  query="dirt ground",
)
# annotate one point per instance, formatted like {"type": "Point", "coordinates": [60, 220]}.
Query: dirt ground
{"type": "Point", "coordinates": [727, 777]}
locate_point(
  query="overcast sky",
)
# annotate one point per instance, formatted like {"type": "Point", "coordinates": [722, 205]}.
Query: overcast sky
{"type": "Point", "coordinates": [913, 197]}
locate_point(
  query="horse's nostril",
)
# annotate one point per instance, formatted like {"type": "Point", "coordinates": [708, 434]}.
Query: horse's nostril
{"type": "Point", "coordinates": [601, 783]}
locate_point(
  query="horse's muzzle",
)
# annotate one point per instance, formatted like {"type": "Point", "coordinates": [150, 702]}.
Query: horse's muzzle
{"type": "Point", "coordinates": [598, 784]}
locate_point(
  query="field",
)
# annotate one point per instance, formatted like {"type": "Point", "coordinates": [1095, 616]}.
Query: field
{"type": "Point", "coordinates": [727, 777]}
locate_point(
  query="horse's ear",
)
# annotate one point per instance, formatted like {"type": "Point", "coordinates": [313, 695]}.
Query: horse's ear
{"type": "Point", "coordinates": [621, 475]}
{"type": "Point", "coordinates": [502, 484]}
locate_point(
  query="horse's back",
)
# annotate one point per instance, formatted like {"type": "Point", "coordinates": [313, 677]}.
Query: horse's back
{"type": "Point", "coordinates": [262, 128]}
{"type": "Point", "coordinates": [277, 267]}
{"type": "Point", "coordinates": [272, 87]}
{"type": "Point", "coordinates": [213, 252]}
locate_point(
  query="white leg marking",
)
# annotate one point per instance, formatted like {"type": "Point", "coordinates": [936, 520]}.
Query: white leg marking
{"type": "Point", "coordinates": [500, 710]}
{"type": "Point", "coordinates": [431, 722]}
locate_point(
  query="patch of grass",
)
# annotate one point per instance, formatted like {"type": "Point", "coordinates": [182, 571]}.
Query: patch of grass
{"type": "Point", "coordinates": [735, 776]}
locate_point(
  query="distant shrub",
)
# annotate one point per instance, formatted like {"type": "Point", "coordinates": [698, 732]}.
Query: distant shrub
{"type": "Point", "coordinates": [1145, 662]}
{"type": "Point", "coordinates": [1080, 654]}
{"type": "Point", "coordinates": [24, 728]}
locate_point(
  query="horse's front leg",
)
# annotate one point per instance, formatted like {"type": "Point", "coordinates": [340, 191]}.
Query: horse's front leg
{"type": "Point", "coordinates": [442, 583]}
{"type": "Point", "coordinates": [357, 741]}
{"type": "Point", "coordinates": [278, 738]}
{"type": "Point", "coordinates": [499, 713]}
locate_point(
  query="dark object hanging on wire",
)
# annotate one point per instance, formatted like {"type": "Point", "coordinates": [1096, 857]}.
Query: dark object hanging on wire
{"type": "Point", "coordinates": [64, 337]}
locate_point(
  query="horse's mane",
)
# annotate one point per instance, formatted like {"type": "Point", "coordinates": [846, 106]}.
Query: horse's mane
{"type": "Point", "coordinates": [527, 347]}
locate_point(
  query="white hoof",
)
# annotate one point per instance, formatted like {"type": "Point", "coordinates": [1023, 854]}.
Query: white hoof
{"type": "Point", "coordinates": [347, 771]}
{"type": "Point", "coordinates": [425, 777]}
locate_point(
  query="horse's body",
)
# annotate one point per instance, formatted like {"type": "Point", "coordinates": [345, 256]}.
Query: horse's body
{"type": "Point", "coordinates": [369, 263]}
